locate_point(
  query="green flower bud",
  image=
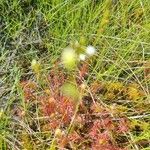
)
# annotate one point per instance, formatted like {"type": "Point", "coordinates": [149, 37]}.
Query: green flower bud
{"type": "Point", "coordinates": [36, 67]}
{"type": "Point", "coordinates": [71, 90]}
{"type": "Point", "coordinates": [69, 58]}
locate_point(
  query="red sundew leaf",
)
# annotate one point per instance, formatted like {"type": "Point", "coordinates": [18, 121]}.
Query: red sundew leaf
{"type": "Point", "coordinates": [56, 78]}
{"type": "Point", "coordinates": [49, 107]}
{"type": "Point", "coordinates": [108, 124]}
{"type": "Point", "coordinates": [29, 88]}
{"type": "Point", "coordinates": [104, 142]}
{"type": "Point", "coordinates": [123, 126]}
{"type": "Point", "coordinates": [95, 129]}
{"type": "Point", "coordinates": [54, 124]}
{"type": "Point", "coordinates": [28, 95]}
{"type": "Point", "coordinates": [66, 118]}
{"type": "Point", "coordinates": [105, 147]}
{"type": "Point", "coordinates": [66, 106]}
{"type": "Point", "coordinates": [74, 137]}
{"type": "Point", "coordinates": [79, 121]}
{"type": "Point", "coordinates": [63, 141]}
{"type": "Point", "coordinates": [104, 137]}
{"type": "Point", "coordinates": [83, 70]}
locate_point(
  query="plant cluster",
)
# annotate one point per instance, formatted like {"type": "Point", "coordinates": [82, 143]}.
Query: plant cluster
{"type": "Point", "coordinates": [70, 114]}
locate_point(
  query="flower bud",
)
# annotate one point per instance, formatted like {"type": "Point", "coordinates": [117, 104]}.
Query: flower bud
{"type": "Point", "coordinates": [69, 58]}
{"type": "Point", "coordinates": [58, 132]}
{"type": "Point", "coordinates": [35, 66]}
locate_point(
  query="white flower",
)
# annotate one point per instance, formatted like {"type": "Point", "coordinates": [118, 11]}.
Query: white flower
{"type": "Point", "coordinates": [90, 50]}
{"type": "Point", "coordinates": [82, 57]}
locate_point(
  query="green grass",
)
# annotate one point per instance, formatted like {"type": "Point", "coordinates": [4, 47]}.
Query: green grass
{"type": "Point", "coordinates": [40, 29]}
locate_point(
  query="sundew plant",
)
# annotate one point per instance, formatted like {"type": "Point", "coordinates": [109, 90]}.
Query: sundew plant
{"type": "Point", "coordinates": [75, 75]}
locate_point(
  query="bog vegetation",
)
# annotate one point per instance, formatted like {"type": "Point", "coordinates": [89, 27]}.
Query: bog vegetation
{"type": "Point", "coordinates": [75, 75]}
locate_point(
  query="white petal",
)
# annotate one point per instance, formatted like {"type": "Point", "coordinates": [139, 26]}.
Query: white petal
{"type": "Point", "coordinates": [82, 57]}
{"type": "Point", "coordinates": [90, 50]}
